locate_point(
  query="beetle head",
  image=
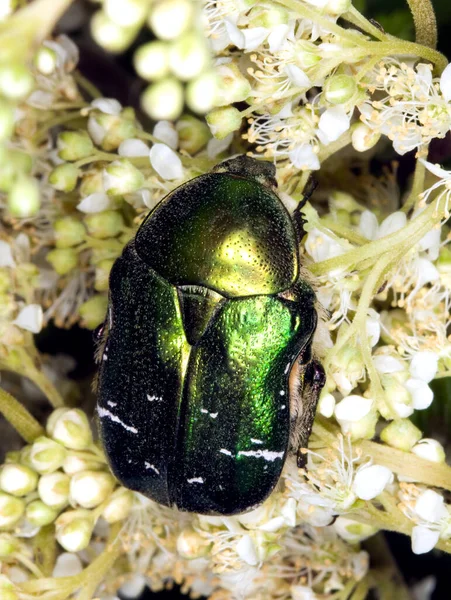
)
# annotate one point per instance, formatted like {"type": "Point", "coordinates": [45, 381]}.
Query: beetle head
{"type": "Point", "coordinates": [250, 168]}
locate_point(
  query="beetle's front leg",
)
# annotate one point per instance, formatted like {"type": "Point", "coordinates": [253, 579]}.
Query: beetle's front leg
{"type": "Point", "coordinates": [307, 381]}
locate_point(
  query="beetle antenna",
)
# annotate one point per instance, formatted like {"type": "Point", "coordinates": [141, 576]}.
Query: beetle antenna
{"type": "Point", "coordinates": [307, 193]}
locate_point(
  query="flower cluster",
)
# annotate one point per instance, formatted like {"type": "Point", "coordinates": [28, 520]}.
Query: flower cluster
{"type": "Point", "coordinates": [289, 82]}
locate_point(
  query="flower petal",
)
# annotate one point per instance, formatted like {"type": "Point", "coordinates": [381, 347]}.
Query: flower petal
{"type": "Point", "coordinates": [30, 318]}
{"type": "Point", "coordinates": [422, 395]}
{"type": "Point", "coordinates": [109, 106]}
{"type": "Point", "coordinates": [133, 147]}
{"type": "Point", "coordinates": [166, 162]}
{"type": "Point", "coordinates": [6, 255]}
{"type": "Point", "coordinates": [166, 133]}
{"type": "Point", "coordinates": [423, 539]}
{"type": "Point", "coordinates": [430, 506]}
{"type": "Point", "coordinates": [333, 123]}
{"type": "Point", "coordinates": [94, 203]}
{"type": "Point", "coordinates": [445, 83]}
{"type": "Point", "coordinates": [370, 481]}
{"type": "Point", "coordinates": [424, 366]}
{"type": "Point", "coordinates": [303, 157]}
{"type": "Point", "coordinates": [353, 408]}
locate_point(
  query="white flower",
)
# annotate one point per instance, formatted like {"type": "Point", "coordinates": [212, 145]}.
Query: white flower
{"type": "Point", "coordinates": [133, 147]}
{"type": "Point", "coordinates": [67, 565]}
{"type": "Point", "coordinates": [326, 405]}
{"type": "Point", "coordinates": [352, 408]}
{"type": "Point", "coordinates": [30, 318]}
{"type": "Point", "coordinates": [109, 106]}
{"type": "Point", "coordinates": [166, 133]}
{"type": "Point", "coordinates": [421, 393]}
{"type": "Point", "coordinates": [245, 548]}
{"type": "Point", "coordinates": [429, 449]}
{"type": "Point", "coordinates": [320, 246]}
{"type": "Point", "coordinates": [371, 480]}
{"type": "Point", "coordinates": [332, 124]}
{"type": "Point", "coordinates": [423, 539]}
{"type": "Point", "coordinates": [166, 162]}
{"type": "Point", "coordinates": [304, 157]}
{"type": "Point", "coordinates": [445, 83]}
{"type": "Point", "coordinates": [94, 203]}
{"type": "Point", "coordinates": [6, 256]}
{"type": "Point", "coordinates": [424, 366]}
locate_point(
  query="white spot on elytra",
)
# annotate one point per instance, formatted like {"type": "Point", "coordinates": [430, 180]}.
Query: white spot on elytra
{"type": "Point", "coordinates": [153, 467]}
{"type": "Point", "coordinates": [103, 412]}
{"type": "Point", "coordinates": [287, 368]}
{"type": "Point", "coordinates": [282, 407]}
{"type": "Point", "coordinates": [266, 454]}
{"type": "Point", "coordinates": [255, 441]}
{"type": "Point", "coordinates": [112, 404]}
{"type": "Point", "coordinates": [204, 410]}
{"type": "Point", "coordinates": [195, 480]}
{"type": "Point", "coordinates": [213, 415]}
{"type": "Point", "coordinates": [282, 393]}
{"type": "Point", "coordinates": [154, 398]}
{"type": "Point", "coordinates": [225, 451]}
{"type": "Point", "coordinates": [105, 357]}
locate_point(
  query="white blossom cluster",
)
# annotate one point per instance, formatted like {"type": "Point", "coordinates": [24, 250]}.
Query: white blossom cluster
{"type": "Point", "coordinates": [77, 176]}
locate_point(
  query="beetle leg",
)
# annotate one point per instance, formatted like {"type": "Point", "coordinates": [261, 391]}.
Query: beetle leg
{"type": "Point", "coordinates": [305, 388]}
{"type": "Point", "coordinates": [298, 218]}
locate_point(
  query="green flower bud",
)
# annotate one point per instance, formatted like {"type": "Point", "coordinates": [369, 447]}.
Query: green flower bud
{"type": "Point", "coordinates": [7, 591]}
{"type": "Point", "coordinates": [69, 231]}
{"type": "Point", "coordinates": [92, 183]}
{"type": "Point", "coordinates": [188, 56]}
{"type": "Point", "coordinates": [64, 177]}
{"type": "Point", "coordinates": [39, 514]}
{"type": "Point", "coordinates": [262, 16]}
{"type": "Point", "coordinates": [45, 60]}
{"type": "Point", "coordinates": [47, 455]}
{"type": "Point", "coordinates": [109, 131]}
{"type": "Point", "coordinates": [110, 35]}
{"type": "Point", "coordinates": [74, 530]}
{"type": "Point", "coordinates": [71, 428]}
{"type": "Point", "coordinates": [53, 490]}
{"type": "Point", "coordinates": [74, 464]}
{"type": "Point", "coordinates": [17, 479]}
{"type": "Point", "coordinates": [13, 456]}
{"type": "Point", "coordinates": [202, 92]}
{"type": "Point", "coordinates": [151, 60]}
{"type": "Point", "coordinates": [338, 7]}
{"type": "Point", "coordinates": [443, 263]}
{"type": "Point", "coordinates": [106, 224]}
{"type": "Point", "coordinates": [21, 161]}
{"type": "Point", "coordinates": [8, 545]}
{"type": "Point", "coordinates": [74, 145]}
{"type": "Point", "coordinates": [63, 260]}
{"type": "Point", "coordinates": [121, 177]}
{"type": "Point", "coordinates": [193, 134]}
{"type": "Point", "coordinates": [23, 198]}
{"type": "Point", "coordinates": [16, 81]}
{"type": "Point", "coordinates": [170, 18]}
{"type": "Point", "coordinates": [93, 311]}
{"type": "Point", "coordinates": [223, 121]}
{"type": "Point", "coordinates": [25, 455]}
{"type": "Point", "coordinates": [119, 507]}
{"type": "Point", "coordinates": [363, 138]}
{"type": "Point", "coordinates": [6, 120]}
{"type": "Point", "coordinates": [339, 89]}
{"type": "Point", "coordinates": [401, 434]}
{"type": "Point", "coordinates": [90, 488]}
{"type": "Point", "coordinates": [102, 275]}
{"type": "Point", "coordinates": [11, 510]}
{"type": "Point", "coordinates": [163, 100]}
{"type": "Point", "coordinates": [126, 12]}
{"type": "Point", "coordinates": [232, 86]}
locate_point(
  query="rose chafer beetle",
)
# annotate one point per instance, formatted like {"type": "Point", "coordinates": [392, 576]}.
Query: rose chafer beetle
{"type": "Point", "coordinates": [206, 377]}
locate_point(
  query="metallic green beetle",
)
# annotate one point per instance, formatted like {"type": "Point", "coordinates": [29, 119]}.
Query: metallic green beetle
{"type": "Point", "coordinates": [206, 377]}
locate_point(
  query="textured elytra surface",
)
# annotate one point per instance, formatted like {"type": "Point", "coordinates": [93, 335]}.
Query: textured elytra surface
{"type": "Point", "coordinates": [194, 388]}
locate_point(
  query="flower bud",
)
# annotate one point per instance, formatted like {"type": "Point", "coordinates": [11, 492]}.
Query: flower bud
{"type": "Point", "coordinates": [93, 311]}
{"type": "Point", "coordinates": [74, 145]}
{"type": "Point", "coordinates": [163, 100]}
{"type": "Point", "coordinates": [397, 396]}
{"type": "Point", "coordinates": [363, 138]}
{"type": "Point", "coordinates": [193, 134]}
{"type": "Point", "coordinates": [119, 507]}
{"type": "Point", "coordinates": [8, 545]}
{"type": "Point", "coordinates": [102, 275]}
{"type": "Point", "coordinates": [201, 92]}
{"type": "Point", "coordinates": [262, 16]}
{"type": "Point", "coordinates": [16, 81]}
{"type": "Point", "coordinates": [223, 121]}
{"type": "Point", "coordinates": [106, 224]}
{"type": "Point", "coordinates": [53, 490]}
{"type": "Point", "coordinates": [47, 455]}
{"type": "Point", "coordinates": [326, 405]}
{"type": "Point", "coordinates": [109, 130]}
{"type": "Point", "coordinates": [339, 89]}
{"type": "Point", "coordinates": [74, 464]}
{"type": "Point", "coordinates": [90, 488]}
{"type": "Point", "coordinates": [45, 60]}
{"type": "Point", "coordinates": [23, 198]}
{"type": "Point", "coordinates": [71, 428]}
{"type": "Point", "coordinates": [191, 544]}
{"type": "Point", "coordinates": [151, 60]}
{"type": "Point", "coordinates": [127, 13]}
{"type": "Point", "coordinates": [232, 85]}
{"type": "Point", "coordinates": [6, 120]}
{"type": "Point", "coordinates": [429, 449]}
{"type": "Point", "coordinates": [69, 232]}
{"type": "Point", "coordinates": [63, 260]}
{"type": "Point", "coordinates": [121, 177]}
{"type": "Point", "coordinates": [170, 18]}
{"type": "Point", "coordinates": [401, 434]}
{"type": "Point", "coordinates": [188, 56]}
{"type": "Point", "coordinates": [74, 530]}
{"type": "Point", "coordinates": [338, 7]}
{"type": "Point", "coordinates": [7, 591]}
{"type": "Point", "coordinates": [40, 514]}
{"type": "Point", "coordinates": [11, 510]}
{"type": "Point", "coordinates": [110, 35]}
{"type": "Point", "coordinates": [64, 177]}
{"type": "Point", "coordinates": [17, 479]}
{"type": "Point", "coordinates": [353, 531]}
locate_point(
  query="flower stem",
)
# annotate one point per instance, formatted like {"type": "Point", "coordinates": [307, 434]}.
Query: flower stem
{"type": "Point", "coordinates": [425, 22]}
{"type": "Point", "coordinates": [19, 417]}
